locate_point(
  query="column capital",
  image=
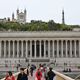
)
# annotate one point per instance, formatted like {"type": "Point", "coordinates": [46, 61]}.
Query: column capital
{"type": "Point", "coordinates": [49, 40]}
{"type": "Point", "coordinates": [4, 41]}
{"type": "Point", "coordinates": [13, 40]}
{"type": "Point", "coordinates": [35, 40]}
{"type": "Point", "coordinates": [44, 40]}
{"type": "Point", "coordinates": [30, 40]}
{"type": "Point", "coordinates": [26, 40]}
{"type": "Point", "coordinates": [18, 41]}
{"type": "Point", "coordinates": [57, 40]}
{"type": "Point", "coordinates": [62, 40]}
{"type": "Point", "coordinates": [40, 40]}
{"type": "Point", "coordinates": [75, 40]}
{"type": "Point", "coordinates": [9, 40]}
{"type": "Point", "coordinates": [53, 40]}
{"type": "Point", "coordinates": [21, 40]}
{"type": "Point", "coordinates": [70, 40]}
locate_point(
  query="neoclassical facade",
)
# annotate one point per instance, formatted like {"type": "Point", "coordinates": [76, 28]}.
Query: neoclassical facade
{"type": "Point", "coordinates": [43, 46]}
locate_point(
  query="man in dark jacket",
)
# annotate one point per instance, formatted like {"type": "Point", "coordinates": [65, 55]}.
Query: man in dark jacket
{"type": "Point", "coordinates": [22, 75]}
{"type": "Point", "coordinates": [51, 74]}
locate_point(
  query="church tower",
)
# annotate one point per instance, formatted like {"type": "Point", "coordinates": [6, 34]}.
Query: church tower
{"type": "Point", "coordinates": [17, 12]}
{"type": "Point", "coordinates": [25, 12]}
{"type": "Point", "coordinates": [63, 19]}
{"type": "Point", "coordinates": [12, 16]}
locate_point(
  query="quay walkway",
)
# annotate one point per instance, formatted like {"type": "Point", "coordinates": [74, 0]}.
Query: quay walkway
{"type": "Point", "coordinates": [59, 76]}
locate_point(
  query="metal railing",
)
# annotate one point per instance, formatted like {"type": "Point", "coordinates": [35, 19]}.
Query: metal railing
{"type": "Point", "coordinates": [60, 76]}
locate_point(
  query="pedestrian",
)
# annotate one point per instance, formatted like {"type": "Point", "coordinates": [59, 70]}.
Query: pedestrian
{"type": "Point", "coordinates": [51, 74]}
{"type": "Point", "coordinates": [22, 75]}
{"type": "Point", "coordinates": [26, 71]}
{"type": "Point", "coordinates": [7, 75]}
{"type": "Point", "coordinates": [10, 76]}
{"type": "Point", "coordinates": [31, 71]}
{"type": "Point", "coordinates": [38, 74]}
{"type": "Point", "coordinates": [46, 74]}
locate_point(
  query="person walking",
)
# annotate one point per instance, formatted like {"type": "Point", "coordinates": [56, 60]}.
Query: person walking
{"type": "Point", "coordinates": [31, 70]}
{"type": "Point", "coordinates": [46, 74]}
{"type": "Point", "coordinates": [38, 74]}
{"type": "Point", "coordinates": [27, 71]}
{"type": "Point", "coordinates": [51, 74]}
{"type": "Point", "coordinates": [7, 75]}
{"type": "Point", "coordinates": [22, 75]}
{"type": "Point", "coordinates": [10, 76]}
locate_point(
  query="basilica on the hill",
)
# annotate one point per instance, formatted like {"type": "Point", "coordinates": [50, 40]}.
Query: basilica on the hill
{"type": "Point", "coordinates": [20, 17]}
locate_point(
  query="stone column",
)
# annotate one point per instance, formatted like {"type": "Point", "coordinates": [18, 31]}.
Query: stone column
{"type": "Point", "coordinates": [70, 48]}
{"type": "Point", "coordinates": [26, 49]}
{"type": "Point", "coordinates": [9, 48]}
{"type": "Point", "coordinates": [13, 50]}
{"type": "Point", "coordinates": [48, 49]}
{"type": "Point", "coordinates": [30, 49]}
{"type": "Point", "coordinates": [79, 48]}
{"type": "Point", "coordinates": [44, 49]}
{"type": "Point", "coordinates": [0, 49]}
{"type": "Point", "coordinates": [4, 49]}
{"type": "Point", "coordinates": [53, 49]}
{"type": "Point", "coordinates": [40, 48]}
{"type": "Point", "coordinates": [17, 49]}
{"type": "Point", "coordinates": [61, 48]}
{"type": "Point", "coordinates": [57, 48]}
{"type": "Point", "coordinates": [35, 48]}
{"type": "Point", "coordinates": [22, 49]}
{"type": "Point", "coordinates": [66, 49]}
{"type": "Point", "coordinates": [75, 47]}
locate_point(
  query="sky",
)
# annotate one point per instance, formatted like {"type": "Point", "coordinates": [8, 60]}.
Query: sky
{"type": "Point", "coordinates": [44, 10]}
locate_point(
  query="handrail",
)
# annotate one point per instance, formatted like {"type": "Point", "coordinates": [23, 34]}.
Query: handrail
{"type": "Point", "coordinates": [77, 77]}
{"type": "Point", "coordinates": [64, 77]}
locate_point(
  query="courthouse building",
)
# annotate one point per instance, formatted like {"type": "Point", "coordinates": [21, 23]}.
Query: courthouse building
{"type": "Point", "coordinates": [40, 47]}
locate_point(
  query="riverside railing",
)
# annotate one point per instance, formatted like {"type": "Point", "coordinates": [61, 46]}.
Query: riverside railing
{"type": "Point", "coordinates": [60, 76]}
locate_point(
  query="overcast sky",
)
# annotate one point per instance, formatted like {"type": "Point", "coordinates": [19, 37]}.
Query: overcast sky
{"type": "Point", "coordinates": [44, 10]}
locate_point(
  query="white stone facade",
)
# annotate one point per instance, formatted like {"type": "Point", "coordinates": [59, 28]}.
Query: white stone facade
{"type": "Point", "coordinates": [62, 46]}
{"type": "Point", "coordinates": [21, 17]}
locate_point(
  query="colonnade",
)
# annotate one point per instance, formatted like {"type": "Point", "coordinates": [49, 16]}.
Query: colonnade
{"type": "Point", "coordinates": [39, 48]}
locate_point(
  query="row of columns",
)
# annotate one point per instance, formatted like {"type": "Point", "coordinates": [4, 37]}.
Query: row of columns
{"type": "Point", "coordinates": [45, 49]}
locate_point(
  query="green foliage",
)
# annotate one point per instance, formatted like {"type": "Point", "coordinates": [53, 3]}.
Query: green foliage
{"type": "Point", "coordinates": [35, 26]}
